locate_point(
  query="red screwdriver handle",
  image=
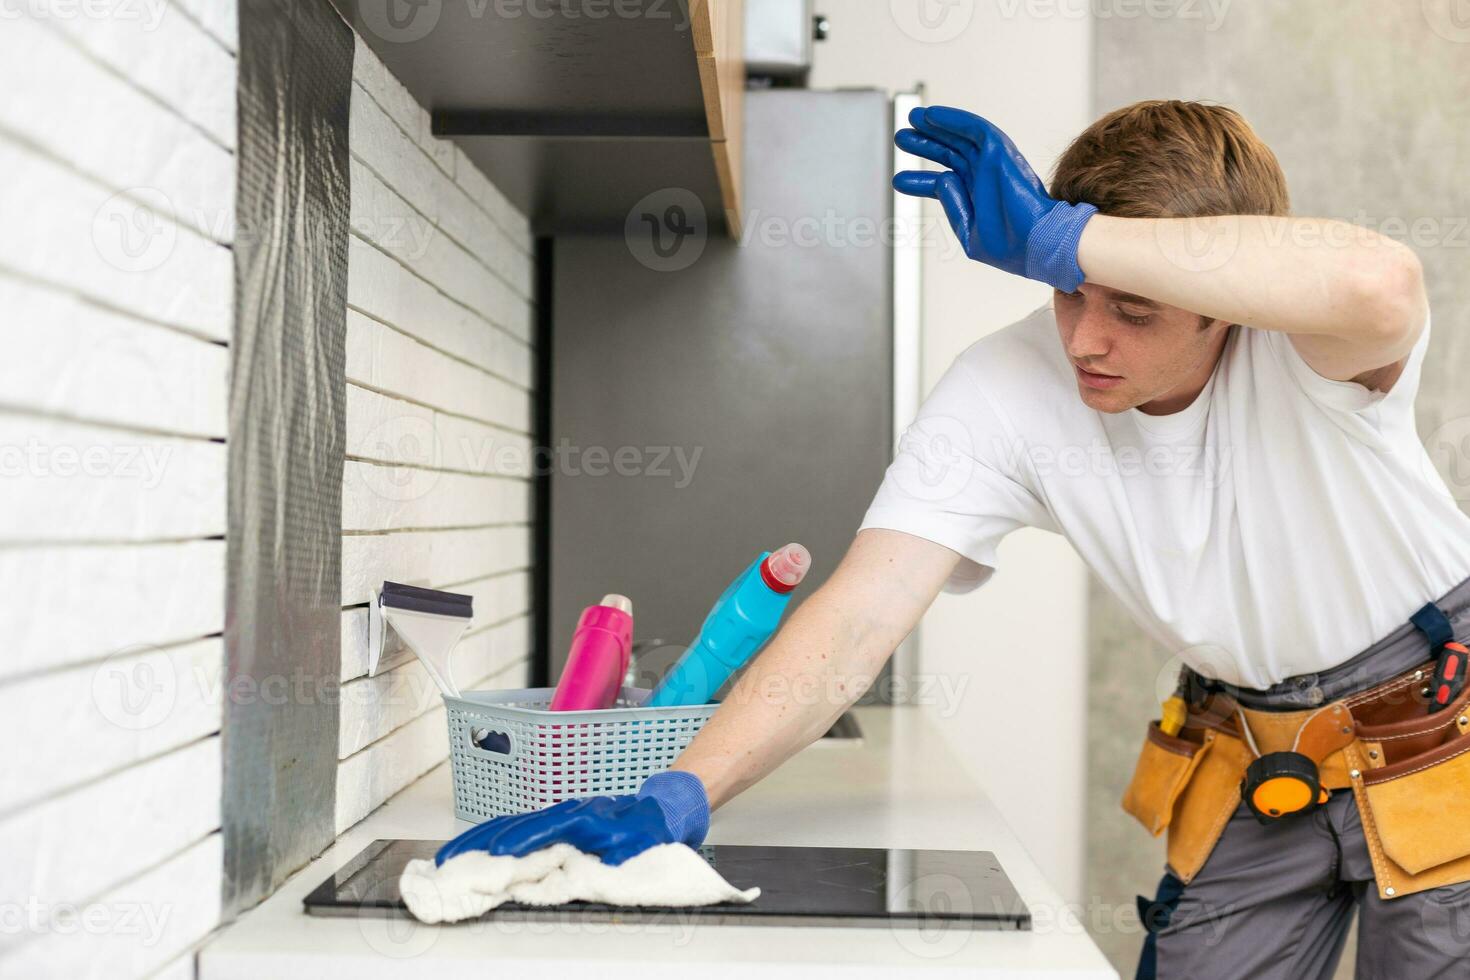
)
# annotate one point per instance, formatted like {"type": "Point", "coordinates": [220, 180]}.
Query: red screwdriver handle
{"type": "Point", "coordinates": [1449, 673]}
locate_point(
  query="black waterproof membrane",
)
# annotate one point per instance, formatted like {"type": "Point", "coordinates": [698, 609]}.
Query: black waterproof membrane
{"type": "Point", "coordinates": [287, 432]}
{"type": "Point", "coordinates": [817, 886]}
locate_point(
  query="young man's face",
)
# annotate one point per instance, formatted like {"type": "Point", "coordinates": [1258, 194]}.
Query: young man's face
{"type": "Point", "coordinates": [1129, 352]}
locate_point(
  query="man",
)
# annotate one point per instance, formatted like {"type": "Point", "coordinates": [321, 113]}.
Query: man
{"type": "Point", "coordinates": [1217, 411]}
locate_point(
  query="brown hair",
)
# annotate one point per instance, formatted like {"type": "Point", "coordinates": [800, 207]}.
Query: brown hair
{"type": "Point", "coordinates": [1171, 159]}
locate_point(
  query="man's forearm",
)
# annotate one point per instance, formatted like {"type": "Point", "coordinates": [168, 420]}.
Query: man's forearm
{"type": "Point", "coordinates": [824, 657]}
{"type": "Point", "coordinates": [815, 668]}
{"type": "Point", "coordinates": [1296, 275]}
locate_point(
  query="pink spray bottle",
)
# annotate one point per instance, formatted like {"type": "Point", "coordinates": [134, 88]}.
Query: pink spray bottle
{"type": "Point", "coordinates": [598, 658]}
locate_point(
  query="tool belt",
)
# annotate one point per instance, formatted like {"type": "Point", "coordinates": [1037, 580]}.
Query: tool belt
{"type": "Point", "coordinates": [1408, 769]}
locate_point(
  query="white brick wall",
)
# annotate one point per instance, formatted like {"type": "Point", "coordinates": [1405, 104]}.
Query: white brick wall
{"type": "Point", "coordinates": [436, 489]}
{"type": "Point", "coordinates": [117, 141]}
{"type": "Point", "coordinates": [117, 135]}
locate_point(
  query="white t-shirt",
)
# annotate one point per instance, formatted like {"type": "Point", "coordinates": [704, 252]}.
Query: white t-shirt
{"type": "Point", "coordinates": [1277, 526]}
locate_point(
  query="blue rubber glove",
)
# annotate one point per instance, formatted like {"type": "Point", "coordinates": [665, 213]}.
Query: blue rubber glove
{"type": "Point", "coordinates": [997, 206]}
{"type": "Point", "coordinates": [671, 807]}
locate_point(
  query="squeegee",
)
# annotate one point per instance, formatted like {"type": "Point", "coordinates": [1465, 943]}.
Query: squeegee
{"type": "Point", "coordinates": [429, 621]}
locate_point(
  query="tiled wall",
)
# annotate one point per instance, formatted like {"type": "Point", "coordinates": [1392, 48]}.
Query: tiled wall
{"type": "Point", "coordinates": [437, 488]}
{"type": "Point", "coordinates": [117, 178]}
{"type": "Point", "coordinates": [117, 138]}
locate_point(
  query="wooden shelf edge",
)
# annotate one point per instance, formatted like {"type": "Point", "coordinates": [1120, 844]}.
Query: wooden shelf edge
{"type": "Point", "coordinates": [727, 170]}
{"type": "Point", "coordinates": [719, 49]}
{"type": "Point", "coordinates": [702, 26]}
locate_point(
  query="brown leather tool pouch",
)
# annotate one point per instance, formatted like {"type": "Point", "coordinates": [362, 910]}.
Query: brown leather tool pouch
{"type": "Point", "coordinates": [1188, 784]}
{"type": "Point", "coordinates": [1412, 790]}
{"type": "Point", "coordinates": [1164, 766]}
{"type": "Point", "coordinates": [1206, 804]}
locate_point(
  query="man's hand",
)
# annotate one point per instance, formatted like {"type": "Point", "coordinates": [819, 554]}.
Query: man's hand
{"type": "Point", "coordinates": [670, 807]}
{"type": "Point", "coordinates": [997, 206]}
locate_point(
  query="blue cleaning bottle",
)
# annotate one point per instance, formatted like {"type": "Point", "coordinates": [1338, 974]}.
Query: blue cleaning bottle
{"type": "Point", "coordinates": [742, 619]}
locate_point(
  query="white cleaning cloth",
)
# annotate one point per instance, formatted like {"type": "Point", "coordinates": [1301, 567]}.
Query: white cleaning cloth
{"type": "Point", "coordinates": [471, 884]}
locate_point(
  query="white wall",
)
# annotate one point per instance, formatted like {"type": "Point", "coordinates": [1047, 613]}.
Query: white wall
{"type": "Point", "coordinates": [436, 489]}
{"type": "Point", "coordinates": [117, 133]}
{"type": "Point", "coordinates": [1018, 643]}
{"type": "Point", "coordinates": [117, 137]}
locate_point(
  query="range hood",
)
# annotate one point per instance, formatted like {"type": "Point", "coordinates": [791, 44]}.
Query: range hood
{"type": "Point", "coordinates": [577, 109]}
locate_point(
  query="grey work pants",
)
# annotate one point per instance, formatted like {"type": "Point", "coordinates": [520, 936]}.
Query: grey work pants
{"type": "Point", "coordinates": [1275, 902]}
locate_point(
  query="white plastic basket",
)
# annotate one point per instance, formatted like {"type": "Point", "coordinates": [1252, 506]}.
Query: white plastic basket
{"type": "Point", "coordinates": [509, 754]}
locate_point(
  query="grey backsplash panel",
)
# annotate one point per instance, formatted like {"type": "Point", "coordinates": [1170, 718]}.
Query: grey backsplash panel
{"type": "Point", "coordinates": [286, 439]}
{"type": "Point", "coordinates": [748, 385]}
{"type": "Point", "coordinates": [1367, 106]}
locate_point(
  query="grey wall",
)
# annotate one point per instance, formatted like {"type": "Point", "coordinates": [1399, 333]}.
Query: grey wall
{"type": "Point", "coordinates": [772, 378]}
{"type": "Point", "coordinates": [1367, 105]}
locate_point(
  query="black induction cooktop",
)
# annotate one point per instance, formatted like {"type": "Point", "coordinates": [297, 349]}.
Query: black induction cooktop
{"type": "Point", "coordinates": [831, 886]}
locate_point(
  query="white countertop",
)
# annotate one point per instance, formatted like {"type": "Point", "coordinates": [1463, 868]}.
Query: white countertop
{"type": "Point", "coordinates": [897, 788]}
